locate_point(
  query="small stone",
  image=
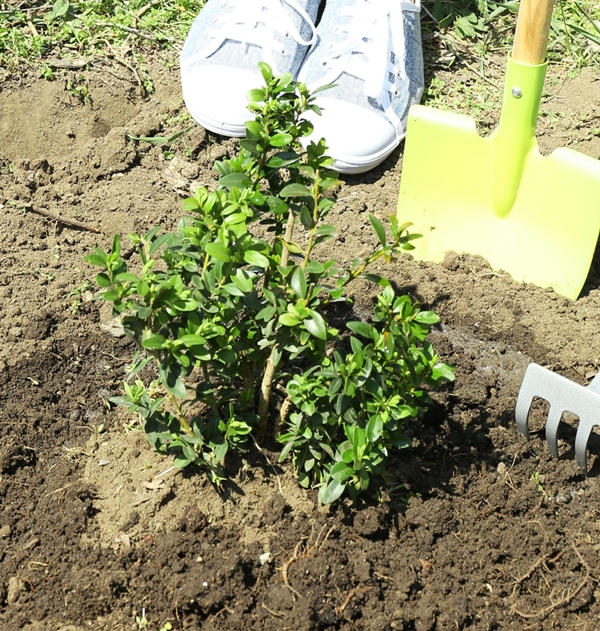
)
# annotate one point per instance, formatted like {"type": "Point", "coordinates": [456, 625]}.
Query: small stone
{"type": "Point", "coordinates": [15, 588]}
{"type": "Point", "coordinates": [265, 557]}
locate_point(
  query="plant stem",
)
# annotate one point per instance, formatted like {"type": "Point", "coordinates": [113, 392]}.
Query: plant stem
{"type": "Point", "coordinates": [186, 426]}
{"type": "Point", "coordinates": [313, 230]}
{"type": "Point", "coordinates": [284, 412]}
{"type": "Point", "coordinates": [266, 385]}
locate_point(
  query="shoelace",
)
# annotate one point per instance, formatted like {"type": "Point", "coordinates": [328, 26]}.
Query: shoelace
{"type": "Point", "coordinates": [365, 52]}
{"type": "Point", "coordinates": [242, 25]}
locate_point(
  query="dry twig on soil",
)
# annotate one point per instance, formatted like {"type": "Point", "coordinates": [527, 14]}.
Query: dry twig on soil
{"type": "Point", "coordinates": [73, 223]}
{"type": "Point", "coordinates": [566, 599]}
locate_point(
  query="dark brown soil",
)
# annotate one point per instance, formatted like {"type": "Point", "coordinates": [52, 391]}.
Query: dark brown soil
{"type": "Point", "coordinates": [487, 530]}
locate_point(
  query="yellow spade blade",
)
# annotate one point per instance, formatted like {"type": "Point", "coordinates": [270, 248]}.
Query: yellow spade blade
{"type": "Point", "coordinates": [535, 217]}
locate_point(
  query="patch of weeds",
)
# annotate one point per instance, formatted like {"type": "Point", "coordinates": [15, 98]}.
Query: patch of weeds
{"type": "Point", "coordinates": [30, 34]}
{"type": "Point", "coordinates": [79, 293]}
{"type": "Point", "coordinates": [141, 621]}
{"type": "Point", "coordinates": [167, 142]}
{"type": "Point", "coordinates": [231, 321]}
{"type": "Point", "coordinates": [575, 27]}
{"type": "Point", "coordinates": [538, 480]}
{"type": "Point", "coordinates": [475, 97]}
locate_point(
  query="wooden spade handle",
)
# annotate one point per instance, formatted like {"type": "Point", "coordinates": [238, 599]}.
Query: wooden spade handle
{"type": "Point", "coordinates": [533, 26]}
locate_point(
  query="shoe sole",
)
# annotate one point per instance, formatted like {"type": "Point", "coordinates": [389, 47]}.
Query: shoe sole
{"type": "Point", "coordinates": [350, 165]}
{"type": "Point", "coordinates": [220, 128]}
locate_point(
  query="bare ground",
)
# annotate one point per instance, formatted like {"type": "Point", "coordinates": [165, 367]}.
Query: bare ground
{"type": "Point", "coordinates": [488, 532]}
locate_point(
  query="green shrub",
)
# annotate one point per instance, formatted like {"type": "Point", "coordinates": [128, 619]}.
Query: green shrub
{"type": "Point", "coordinates": [224, 316]}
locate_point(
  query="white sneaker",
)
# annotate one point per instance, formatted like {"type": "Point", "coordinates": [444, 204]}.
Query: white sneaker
{"type": "Point", "coordinates": [219, 61]}
{"type": "Point", "coordinates": [371, 50]}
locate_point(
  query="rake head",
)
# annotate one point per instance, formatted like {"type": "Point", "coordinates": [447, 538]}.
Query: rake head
{"type": "Point", "coordinates": [563, 396]}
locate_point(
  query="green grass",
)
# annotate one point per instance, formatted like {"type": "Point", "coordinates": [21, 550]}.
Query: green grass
{"type": "Point", "coordinates": [32, 35]}
{"type": "Point", "coordinates": [33, 32]}
{"type": "Point", "coordinates": [488, 26]}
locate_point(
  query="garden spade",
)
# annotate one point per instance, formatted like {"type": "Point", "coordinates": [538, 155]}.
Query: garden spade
{"type": "Point", "coordinates": [535, 217]}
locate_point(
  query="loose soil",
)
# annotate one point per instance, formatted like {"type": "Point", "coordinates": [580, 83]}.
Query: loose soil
{"type": "Point", "coordinates": [484, 530]}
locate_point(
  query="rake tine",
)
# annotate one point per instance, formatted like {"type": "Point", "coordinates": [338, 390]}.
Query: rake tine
{"type": "Point", "coordinates": [581, 440]}
{"type": "Point", "coordinates": [529, 390]}
{"type": "Point", "coordinates": [563, 395]}
{"type": "Point", "coordinates": [554, 416]}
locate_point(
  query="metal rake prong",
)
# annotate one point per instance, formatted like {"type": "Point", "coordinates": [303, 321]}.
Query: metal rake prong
{"type": "Point", "coordinates": [554, 415]}
{"type": "Point", "coordinates": [563, 396]}
{"type": "Point", "coordinates": [581, 440]}
{"type": "Point", "coordinates": [529, 390]}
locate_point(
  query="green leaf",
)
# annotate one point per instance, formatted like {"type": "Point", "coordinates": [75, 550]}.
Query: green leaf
{"type": "Point", "coordinates": [238, 180]}
{"type": "Point", "coordinates": [324, 87]}
{"type": "Point", "coordinates": [190, 340]}
{"type": "Point", "coordinates": [233, 290]}
{"type": "Point", "coordinates": [316, 325]}
{"type": "Point", "coordinates": [60, 8]}
{"type": "Point", "coordinates": [334, 387]}
{"type": "Point", "coordinates": [281, 140]}
{"type": "Point", "coordinates": [341, 471]}
{"type": "Point", "coordinates": [127, 277]}
{"type": "Point", "coordinates": [287, 319]}
{"type": "Point", "coordinates": [172, 382]}
{"type": "Point", "coordinates": [443, 371]}
{"type": "Point", "coordinates": [100, 259]}
{"type": "Point", "coordinates": [292, 247]}
{"type": "Point", "coordinates": [306, 218]}
{"type": "Point", "coordinates": [159, 242]}
{"type": "Point", "coordinates": [357, 345]}
{"type": "Point", "coordinates": [298, 282]}
{"type": "Point", "coordinates": [151, 140]}
{"type": "Point", "coordinates": [142, 311]}
{"type": "Point", "coordinates": [266, 313]}
{"type": "Point", "coordinates": [326, 230]}
{"type": "Point", "coordinates": [219, 252]}
{"type": "Point", "coordinates": [156, 431]}
{"type": "Point", "coordinates": [379, 229]}
{"type": "Point", "coordinates": [375, 278]}
{"type": "Point", "coordinates": [282, 159]}
{"type": "Point", "coordinates": [266, 71]}
{"type": "Point", "coordinates": [143, 288]}
{"type": "Point", "coordinates": [253, 129]}
{"type": "Point", "coordinates": [374, 428]}
{"type": "Point", "coordinates": [190, 204]}
{"type": "Point", "coordinates": [427, 317]}
{"type": "Point", "coordinates": [243, 281]}
{"type": "Point", "coordinates": [276, 205]}
{"type": "Point", "coordinates": [295, 190]}
{"type": "Point", "coordinates": [331, 492]}
{"type": "Point", "coordinates": [103, 280]}
{"type": "Point", "coordinates": [361, 328]}
{"type": "Point", "coordinates": [256, 95]}
{"type": "Point", "coordinates": [251, 146]}
{"type": "Point", "coordinates": [252, 257]}
{"type": "Point", "coordinates": [110, 296]}
{"type": "Point", "coordinates": [154, 341]}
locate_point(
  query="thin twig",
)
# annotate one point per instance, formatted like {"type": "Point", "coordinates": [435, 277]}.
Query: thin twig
{"type": "Point", "coordinates": [268, 462]}
{"type": "Point", "coordinates": [73, 223]}
{"type": "Point", "coordinates": [68, 64]}
{"type": "Point", "coordinates": [356, 590]}
{"type": "Point", "coordinates": [542, 613]}
{"type": "Point", "coordinates": [134, 31]}
{"type": "Point", "coordinates": [285, 568]}
{"type": "Point", "coordinates": [276, 614]}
